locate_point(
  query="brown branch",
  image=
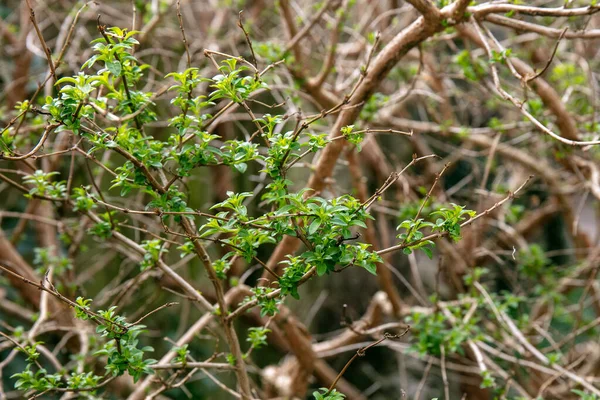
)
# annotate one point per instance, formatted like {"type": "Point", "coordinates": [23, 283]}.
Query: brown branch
{"type": "Point", "coordinates": [429, 11]}
{"type": "Point", "coordinates": [47, 131]}
{"type": "Point", "coordinates": [209, 365]}
{"type": "Point", "coordinates": [361, 352]}
{"type": "Point", "coordinates": [542, 30]}
{"type": "Point", "coordinates": [42, 41]}
{"type": "Point", "coordinates": [490, 8]}
{"type": "Point", "coordinates": [248, 41]}
{"type": "Point", "coordinates": [466, 223]}
{"type": "Point", "coordinates": [375, 72]}
{"type": "Point", "coordinates": [286, 13]}
{"type": "Point", "coordinates": [519, 104]}
{"type": "Point", "coordinates": [167, 305]}
{"type": "Point", "coordinates": [537, 75]}
{"type": "Point", "coordinates": [185, 42]}
{"type": "Point", "coordinates": [333, 41]}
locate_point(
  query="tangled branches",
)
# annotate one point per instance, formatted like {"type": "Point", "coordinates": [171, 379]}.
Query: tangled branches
{"type": "Point", "coordinates": [231, 179]}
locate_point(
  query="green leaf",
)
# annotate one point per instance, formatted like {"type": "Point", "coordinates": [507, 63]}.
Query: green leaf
{"type": "Point", "coordinates": [314, 226]}
{"type": "Point", "coordinates": [321, 269]}
{"type": "Point", "coordinates": [241, 167]}
{"type": "Point", "coordinates": [372, 268]}
{"type": "Point", "coordinates": [428, 252]}
{"type": "Point", "coordinates": [358, 222]}
{"type": "Point", "coordinates": [114, 67]}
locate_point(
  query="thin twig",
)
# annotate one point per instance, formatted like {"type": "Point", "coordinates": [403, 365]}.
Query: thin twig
{"type": "Point", "coordinates": [535, 76]}
{"type": "Point", "coordinates": [466, 223]}
{"type": "Point", "coordinates": [185, 42]}
{"type": "Point", "coordinates": [361, 352]}
{"type": "Point", "coordinates": [42, 41]}
{"type": "Point", "coordinates": [173, 303]}
{"type": "Point", "coordinates": [241, 26]}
